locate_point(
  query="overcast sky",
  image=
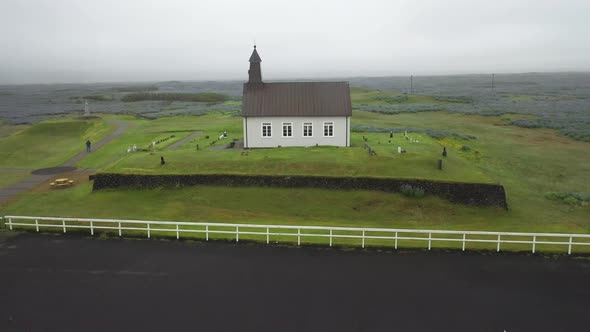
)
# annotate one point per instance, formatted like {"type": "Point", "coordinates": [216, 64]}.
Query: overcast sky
{"type": "Point", "coordinates": [46, 41]}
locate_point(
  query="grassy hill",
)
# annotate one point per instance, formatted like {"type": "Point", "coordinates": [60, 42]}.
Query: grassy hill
{"type": "Point", "coordinates": [529, 162]}
{"type": "Point", "coordinates": [49, 143]}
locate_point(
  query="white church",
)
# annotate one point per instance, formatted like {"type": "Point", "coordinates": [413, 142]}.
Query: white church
{"type": "Point", "coordinates": [294, 113]}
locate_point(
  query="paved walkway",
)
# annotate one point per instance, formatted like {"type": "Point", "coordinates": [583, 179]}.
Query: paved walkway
{"type": "Point", "coordinates": [178, 144]}
{"type": "Point", "coordinates": [35, 180]}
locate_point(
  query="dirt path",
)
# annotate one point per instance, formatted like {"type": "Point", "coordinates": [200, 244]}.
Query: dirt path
{"type": "Point", "coordinates": [34, 180]}
{"type": "Point", "coordinates": [178, 144]}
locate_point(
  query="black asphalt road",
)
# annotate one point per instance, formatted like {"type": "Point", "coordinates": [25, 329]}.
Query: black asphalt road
{"type": "Point", "coordinates": [69, 283]}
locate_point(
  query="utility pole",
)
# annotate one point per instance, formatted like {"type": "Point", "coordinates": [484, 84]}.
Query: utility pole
{"type": "Point", "coordinates": [493, 81]}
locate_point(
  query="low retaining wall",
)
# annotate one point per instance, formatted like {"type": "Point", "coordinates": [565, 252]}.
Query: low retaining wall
{"type": "Point", "coordinates": [465, 193]}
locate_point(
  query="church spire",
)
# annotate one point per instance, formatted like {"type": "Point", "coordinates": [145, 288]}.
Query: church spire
{"type": "Point", "coordinates": [254, 73]}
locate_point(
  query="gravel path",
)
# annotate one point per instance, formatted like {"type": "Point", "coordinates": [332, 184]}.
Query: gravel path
{"type": "Point", "coordinates": [176, 145]}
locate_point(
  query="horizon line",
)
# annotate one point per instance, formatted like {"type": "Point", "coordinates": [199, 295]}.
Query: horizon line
{"type": "Point", "coordinates": [587, 71]}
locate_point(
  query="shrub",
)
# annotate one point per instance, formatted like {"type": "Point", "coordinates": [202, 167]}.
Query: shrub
{"type": "Point", "coordinates": [409, 191]}
{"type": "Point", "coordinates": [454, 99]}
{"type": "Point", "coordinates": [438, 134]}
{"type": "Point", "coordinates": [98, 98]}
{"type": "Point", "coordinates": [136, 88]}
{"type": "Point", "coordinates": [570, 198]}
{"type": "Point", "coordinates": [465, 148]}
{"type": "Point", "coordinates": [392, 99]}
{"type": "Point", "coordinates": [204, 97]}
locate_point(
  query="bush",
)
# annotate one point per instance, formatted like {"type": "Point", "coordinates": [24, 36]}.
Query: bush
{"type": "Point", "coordinates": [392, 99]}
{"type": "Point", "coordinates": [437, 134]}
{"type": "Point", "coordinates": [136, 88]}
{"type": "Point", "coordinates": [465, 148]}
{"type": "Point", "coordinates": [454, 99]}
{"type": "Point", "coordinates": [204, 97]}
{"type": "Point", "coordinates": [409, 191]}
{"type": "Point", "coordinates": [570, 198]}
{"type": "Point", "coordinates": [98, 97]}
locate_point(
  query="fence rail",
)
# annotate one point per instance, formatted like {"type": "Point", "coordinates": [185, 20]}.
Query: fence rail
{"type": "Point", "coordinates": [394, 236]}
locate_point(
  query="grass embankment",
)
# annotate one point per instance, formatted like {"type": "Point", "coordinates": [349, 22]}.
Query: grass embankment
{"type": "Point", "coordinates": [528, 162]}
{"type": "Point", "coordinates": [279, 206]}
{"type": "Point", "coordinates": [50, 143]}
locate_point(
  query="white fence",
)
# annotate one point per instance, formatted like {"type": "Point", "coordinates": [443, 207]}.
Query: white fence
{"type": "Point", "coordinates": [391, 236]}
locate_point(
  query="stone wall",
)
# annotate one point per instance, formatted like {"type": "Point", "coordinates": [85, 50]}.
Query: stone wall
{"type": "Point", "coordinates": [466, 193]}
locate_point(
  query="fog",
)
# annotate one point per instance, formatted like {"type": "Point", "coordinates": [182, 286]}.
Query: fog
{"type": "Point", "coordinates": [153, 40]}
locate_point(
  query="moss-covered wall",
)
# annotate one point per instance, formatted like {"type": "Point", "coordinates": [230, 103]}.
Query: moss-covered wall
{"type": "Point", "coordinates": [465, 193]}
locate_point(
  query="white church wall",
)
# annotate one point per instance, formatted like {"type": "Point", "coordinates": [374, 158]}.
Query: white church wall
{"type": "Point", "coordinates": [253, 135]}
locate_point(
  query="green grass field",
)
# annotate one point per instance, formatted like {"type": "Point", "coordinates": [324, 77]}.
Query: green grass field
{"type": "Point", "coordinates": [142, 132]}
{"type": "Point", "coordinates": [528, 162]}
{"type": "Point", "coordinates": [418, 162]}
{"type": "Point", "coordinates": [49, 143]}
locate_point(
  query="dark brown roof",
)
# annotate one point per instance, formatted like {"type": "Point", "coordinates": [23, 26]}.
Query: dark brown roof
{"type": "Point", "coordinates": [255, 57]}
{"type": "Point", "coordinates": [297, 99]}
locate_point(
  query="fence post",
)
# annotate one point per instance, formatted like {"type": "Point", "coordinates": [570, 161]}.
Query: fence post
{"type": "Point", "coordinates": [534, 242]}
{"type": "Point", "coordinates": [429, 240]}
{"type": "Point", "coordinates": [177, 232]}
{"type": "Point", "coordinates": [569, 247]}
{"type": "Point", "coordinates": [91, 228]}
{"type": "Point", "coordinates": [207, 233]}
{"type": "Point", "coordinates": [237, 234]}
{"type": "Point", "coordinates": [498, 246]}
{"type": "Point", "coordinates": [148, 230]}
{"type": "Point", "coordinates": [330, 237]}
{"type": "Point", "coordinates": [464, 235]}
{"type": "Point", "coordinates": [37, 224]}
{"type": "Point", "coordinates": [10, 223]}
{"type": "Point", "coordinates": [63, 221]}
{"type": "Point", "coordinates": [120, 230]}
{"type": "Point", "coordinates": [267, 235]}
{"type": "Point", "coordinates": [363, 241]}
{"type": "Point", "coordinates": [298, 236]}
{"type": "Point", "coordinates": [395, 240]}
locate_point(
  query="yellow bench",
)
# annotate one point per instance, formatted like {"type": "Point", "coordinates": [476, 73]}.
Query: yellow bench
{"type": "Point", "coordinates": [62, 182]}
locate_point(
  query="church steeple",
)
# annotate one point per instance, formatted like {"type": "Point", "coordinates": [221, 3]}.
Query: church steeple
{"type": "Point", "coordinates": [254, 73]}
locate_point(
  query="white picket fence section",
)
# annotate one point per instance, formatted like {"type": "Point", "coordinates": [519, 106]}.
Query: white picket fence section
{"type": "Point", "coordinates": [331, 233]}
